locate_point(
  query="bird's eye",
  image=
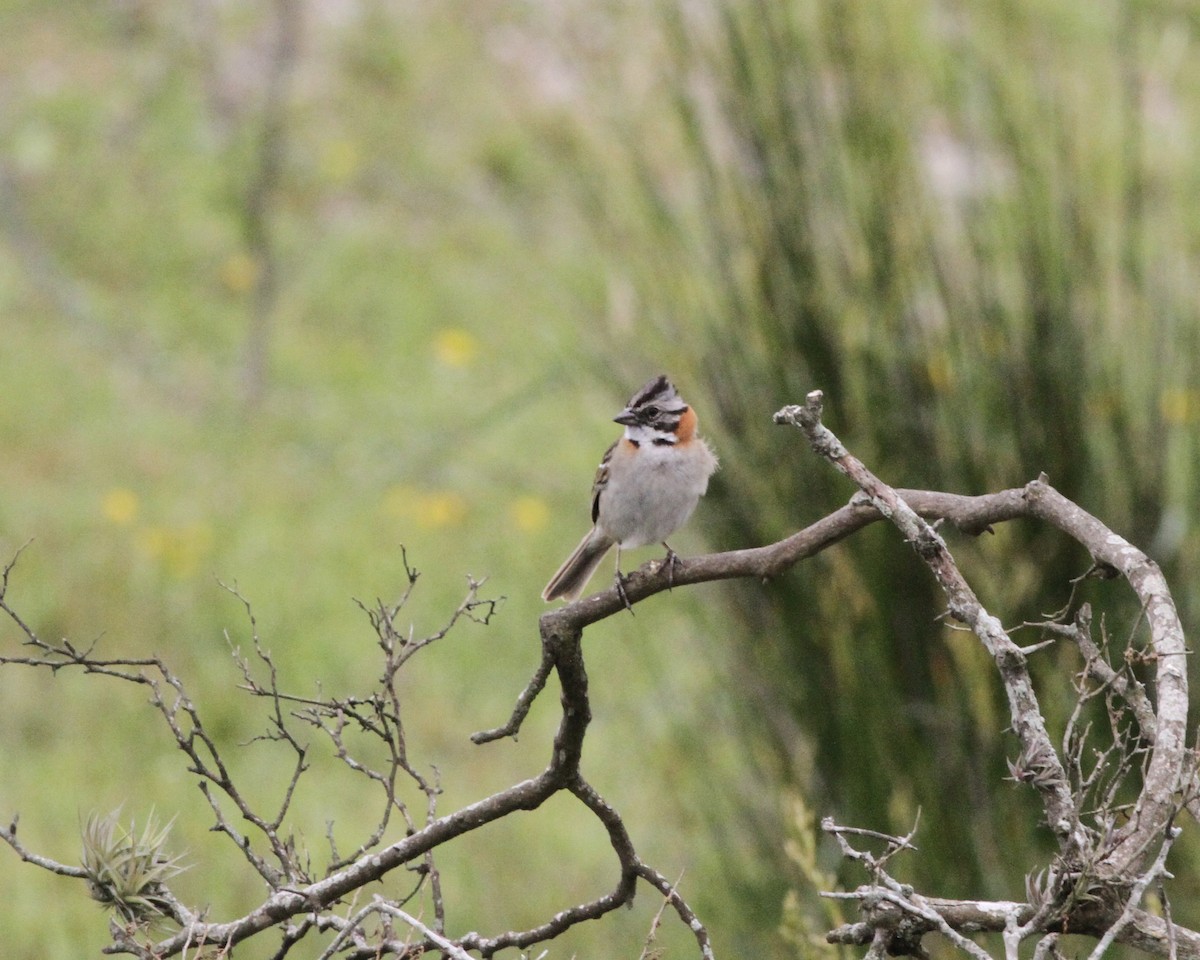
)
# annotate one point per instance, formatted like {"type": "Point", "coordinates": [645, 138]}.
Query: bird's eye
{"type": "Point", "coordinates": [650, 411]}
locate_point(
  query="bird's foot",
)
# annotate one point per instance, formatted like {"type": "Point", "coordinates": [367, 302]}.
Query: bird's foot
{"type": "Point", "coordinates": [670, 561]}
{"type": "Point", "coordinates": [619, 584]}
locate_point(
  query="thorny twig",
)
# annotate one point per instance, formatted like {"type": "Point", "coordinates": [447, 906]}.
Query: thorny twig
{"type": "Point", "coordinates": [298, 902]}
{"type": "Point", "coordinates": [656, 922]}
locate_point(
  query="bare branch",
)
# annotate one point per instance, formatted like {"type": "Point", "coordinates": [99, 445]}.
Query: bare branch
{"type": "Point", "coordinates": [656, 922]}
{"type": "Point", "coordinates": [1157, 803]}
{"type": "Point", "coordinates": [535, 686]}
{"type": "Point", "coordinates": [447, 947]}
{"type": "Point", "coordinates": [1049, 776]}
{"type": "Point", "coordinates": [1109, 855]}
{"type": "Point", "coordinates": [907, 901]}
{"type": "Point", "coordinates": [685, 912]}
{"type": "Point", "coordinates": [9, 835]}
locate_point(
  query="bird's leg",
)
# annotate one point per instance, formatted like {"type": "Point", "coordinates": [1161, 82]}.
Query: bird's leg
{"type": "Point", "coordinates": [620, 584]}
{"type": "Point", "coordinates": [671, 560]}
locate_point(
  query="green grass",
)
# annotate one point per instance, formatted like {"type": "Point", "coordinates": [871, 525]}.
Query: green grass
{"type": "Point", "coordinates": [967, 224]}
{"type": "Point", "coordinates": [428, 338]}
{"type": "Point", "coordinates": [492, 223]}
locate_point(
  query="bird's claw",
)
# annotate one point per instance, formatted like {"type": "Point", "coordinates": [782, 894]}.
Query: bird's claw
{"type": "Point", "coordinates": [671, 561]}
{"type": "Point", "coordinates": [619, 584]}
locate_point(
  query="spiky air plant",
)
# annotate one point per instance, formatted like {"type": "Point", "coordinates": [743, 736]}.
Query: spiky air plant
{"type": "Point", "coordinates": [128, 872]}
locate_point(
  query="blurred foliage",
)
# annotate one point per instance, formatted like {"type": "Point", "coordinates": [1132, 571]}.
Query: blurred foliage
{"type": "Point", "coordinates": [806, 916]}
{"type": "Point", "coordinates": [431, 279]}
{"type": "Point", "coordinates": [974, 225]}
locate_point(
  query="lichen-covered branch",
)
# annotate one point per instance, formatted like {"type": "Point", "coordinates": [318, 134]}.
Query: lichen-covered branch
{"type": "Point", "coordinates": [1037, 751]}
{"type": "Point", "coordinates": [1097, 882]}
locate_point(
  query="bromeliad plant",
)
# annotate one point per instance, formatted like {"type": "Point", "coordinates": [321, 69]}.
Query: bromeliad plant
{"type": "Point", "coordinates": [128, 871]}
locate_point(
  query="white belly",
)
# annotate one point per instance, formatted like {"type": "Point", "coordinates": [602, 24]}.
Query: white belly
{"type": "Point", "coordinates": [649, 504]}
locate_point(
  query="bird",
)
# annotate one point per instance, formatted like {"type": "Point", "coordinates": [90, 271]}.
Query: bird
{"type": "Point", "coordinates": [648, 484]}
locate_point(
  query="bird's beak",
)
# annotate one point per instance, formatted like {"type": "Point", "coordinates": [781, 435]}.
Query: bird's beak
{"type": "Point", "coordinates": [626, 417]}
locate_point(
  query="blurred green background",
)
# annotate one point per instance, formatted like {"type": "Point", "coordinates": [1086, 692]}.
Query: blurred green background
{"type": "Point", "coordinates": [284, 286]}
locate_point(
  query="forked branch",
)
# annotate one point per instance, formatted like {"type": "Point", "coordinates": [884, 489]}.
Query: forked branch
{"type": "Point", "coordinates": [1095, 884]}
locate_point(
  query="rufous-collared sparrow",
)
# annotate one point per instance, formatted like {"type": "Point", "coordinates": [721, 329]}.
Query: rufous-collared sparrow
{"type": "Point", "coordinates": [647, 486]}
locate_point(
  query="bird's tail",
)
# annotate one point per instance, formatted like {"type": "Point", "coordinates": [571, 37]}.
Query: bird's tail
{"type": "Point", "coordinates": [574, 574]}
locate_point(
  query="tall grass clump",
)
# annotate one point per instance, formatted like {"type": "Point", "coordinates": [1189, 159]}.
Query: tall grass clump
{"type": "Point", "coordinates": [975, 227]}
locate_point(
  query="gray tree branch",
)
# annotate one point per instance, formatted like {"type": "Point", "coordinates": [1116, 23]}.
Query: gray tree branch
{"type": "Point", "coordinates": [1094, 886]}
